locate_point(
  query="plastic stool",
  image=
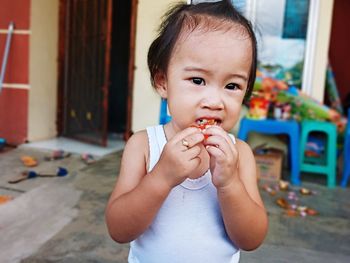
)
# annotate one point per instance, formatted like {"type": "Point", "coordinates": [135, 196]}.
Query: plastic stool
{"type": "Point", "coordinates": [164, 118]}
{"type": "Point", "coordinates": [269, 126]}
{"type": "Point", "coordinates": [329, 168]}
{"type": "Point", "coordinates": [346, 156]}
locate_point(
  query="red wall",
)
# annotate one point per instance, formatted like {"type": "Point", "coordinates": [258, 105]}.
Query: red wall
{"type": "Point", "coordinates": [339, 51]}
{"type": "Point", "coordinates": [14, 101]}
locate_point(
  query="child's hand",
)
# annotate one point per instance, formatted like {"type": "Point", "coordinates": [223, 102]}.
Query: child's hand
{"type": "Point", "coordinates": [180, 156]}
{"type": "Point", "coordinates": [223, 156]}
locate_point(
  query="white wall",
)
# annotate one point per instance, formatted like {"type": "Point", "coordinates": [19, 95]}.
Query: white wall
{"type": "Point", "coordinates": [322, 46]}
{"type": "Point", "coordinates": [43, 54]}
{"type": "Point", "coordinates": [146, 102]}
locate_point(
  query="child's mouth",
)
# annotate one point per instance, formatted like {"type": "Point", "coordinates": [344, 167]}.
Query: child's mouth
{"type": "Point", "coordinates": [204, 122]}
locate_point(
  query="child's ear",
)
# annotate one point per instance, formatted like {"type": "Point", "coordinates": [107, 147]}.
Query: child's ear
{"type": "Point", "coordinates": [160, 82]}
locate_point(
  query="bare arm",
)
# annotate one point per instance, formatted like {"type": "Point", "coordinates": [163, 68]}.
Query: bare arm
{"type": "Point", "coordinates": [241, 205]}
{"type": "Point", "coordinates": [138, 195]}
{"type": "Point", "coordinates": [233, 171]}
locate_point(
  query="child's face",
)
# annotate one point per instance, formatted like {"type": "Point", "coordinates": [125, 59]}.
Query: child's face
{"type": "Point", "coordinates": [207, 77]}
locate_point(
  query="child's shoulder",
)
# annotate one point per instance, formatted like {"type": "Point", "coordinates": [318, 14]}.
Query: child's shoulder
{"type": "Point", "coordinates": [136, 148]}
{"type": "Point", "coordinates": [244, 148]}
{"type": "Point", "coordinates": [138, 140]}
{"type": "Point", "coordinates": [141, 138]}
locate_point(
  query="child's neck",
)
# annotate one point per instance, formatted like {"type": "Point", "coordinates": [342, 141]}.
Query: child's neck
{"type": "Point", "coordinates": [169, 131]}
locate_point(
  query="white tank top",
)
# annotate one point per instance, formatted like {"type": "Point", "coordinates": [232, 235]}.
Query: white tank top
{"type": "Point", "coordinates": [188, 227]}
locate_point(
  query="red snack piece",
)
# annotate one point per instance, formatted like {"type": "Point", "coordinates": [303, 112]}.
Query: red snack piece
{"type": "Point", "coordinates": [203, 123]}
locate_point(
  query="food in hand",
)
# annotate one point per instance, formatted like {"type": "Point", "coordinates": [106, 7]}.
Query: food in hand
{"type": "Point", "coordinates": [204, 123]}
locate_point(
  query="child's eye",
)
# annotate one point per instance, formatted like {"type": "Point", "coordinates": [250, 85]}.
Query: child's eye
{"type": "Point", "coordinates": [198, 81]}
{"type": "Point", "coordinates": [232, 86]}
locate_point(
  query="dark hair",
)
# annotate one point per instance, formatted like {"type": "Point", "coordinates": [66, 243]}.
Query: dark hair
{"type": "Point", "coordinates": [181, 15]}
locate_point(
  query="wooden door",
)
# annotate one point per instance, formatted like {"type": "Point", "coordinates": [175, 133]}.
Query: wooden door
{"type": "Point", "coordinates": [85, 69]}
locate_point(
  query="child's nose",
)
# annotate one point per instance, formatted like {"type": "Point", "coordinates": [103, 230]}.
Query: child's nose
{"type": "Point", "coordinates": [212, 101]}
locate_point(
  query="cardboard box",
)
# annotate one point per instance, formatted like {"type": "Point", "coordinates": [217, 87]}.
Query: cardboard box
{"type": "Point", "coordinates": [269, 163]}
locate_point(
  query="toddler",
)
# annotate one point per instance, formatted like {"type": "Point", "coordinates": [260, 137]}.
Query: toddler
{"type": "Point", "coordinates": [187, 191]}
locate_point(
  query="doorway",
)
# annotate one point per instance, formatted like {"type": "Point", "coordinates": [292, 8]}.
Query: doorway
{"type": "Point", "coordinates": [96, 61]}
{"type": "Point", "coordinates": [119, 67]}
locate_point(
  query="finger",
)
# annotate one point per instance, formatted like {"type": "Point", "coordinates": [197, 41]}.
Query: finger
{"type": "Point", "coordinates": [195, 162]}
{"type": "Point", "coordinates": [192, 153]}
{"type": "Point", "coordinates": [192, 140]}
{"type": "Point", "coordinates": [191, 157]}
{"type": "Point", "coordinates": [215, 152]}
{"type": "Point", "coordinates": [220, 138]}
{"type": "Point", "coordinates": [228, 150]}
{"type": "Point", "coordinates": [216, 130]}
{"type": "Point", "coordinates": [219, 142]}
{"type": "Point", "coordinates": [184, 133]}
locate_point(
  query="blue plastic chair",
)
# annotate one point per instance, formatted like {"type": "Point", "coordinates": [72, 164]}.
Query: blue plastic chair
{"type": "Point", "coordinates": [328, 166]}
{"type": "Point", "coordinates": [269, 126]}
{"type": "Point", "coordinates": [164, 118]}
{"type": "Point", "coordinates": [346, 160]}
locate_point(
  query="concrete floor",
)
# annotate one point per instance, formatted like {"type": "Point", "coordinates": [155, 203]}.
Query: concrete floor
{"type": "Point", "coordinates": [61, 219]}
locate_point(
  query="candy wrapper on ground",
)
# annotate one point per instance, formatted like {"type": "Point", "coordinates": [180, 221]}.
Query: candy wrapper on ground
{"type": "Point", "coordinates": [290, 200]}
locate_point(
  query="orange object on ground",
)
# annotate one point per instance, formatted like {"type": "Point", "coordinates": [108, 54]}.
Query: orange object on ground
{"type": "Point", "coordinates": [291, 213]}
{"type": "Point", "coordinates": [282, 203]}
{"type": "Point", "coordinates": [283, 185]}
{"type": "Point", "coordinates": [29, 161]}
{"type": "Point", "coordinates": [305, 191]}
{"type": "Point", "coordinates": [311, 212]}
{"type": "Point", "coordinates": [4, 199]}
